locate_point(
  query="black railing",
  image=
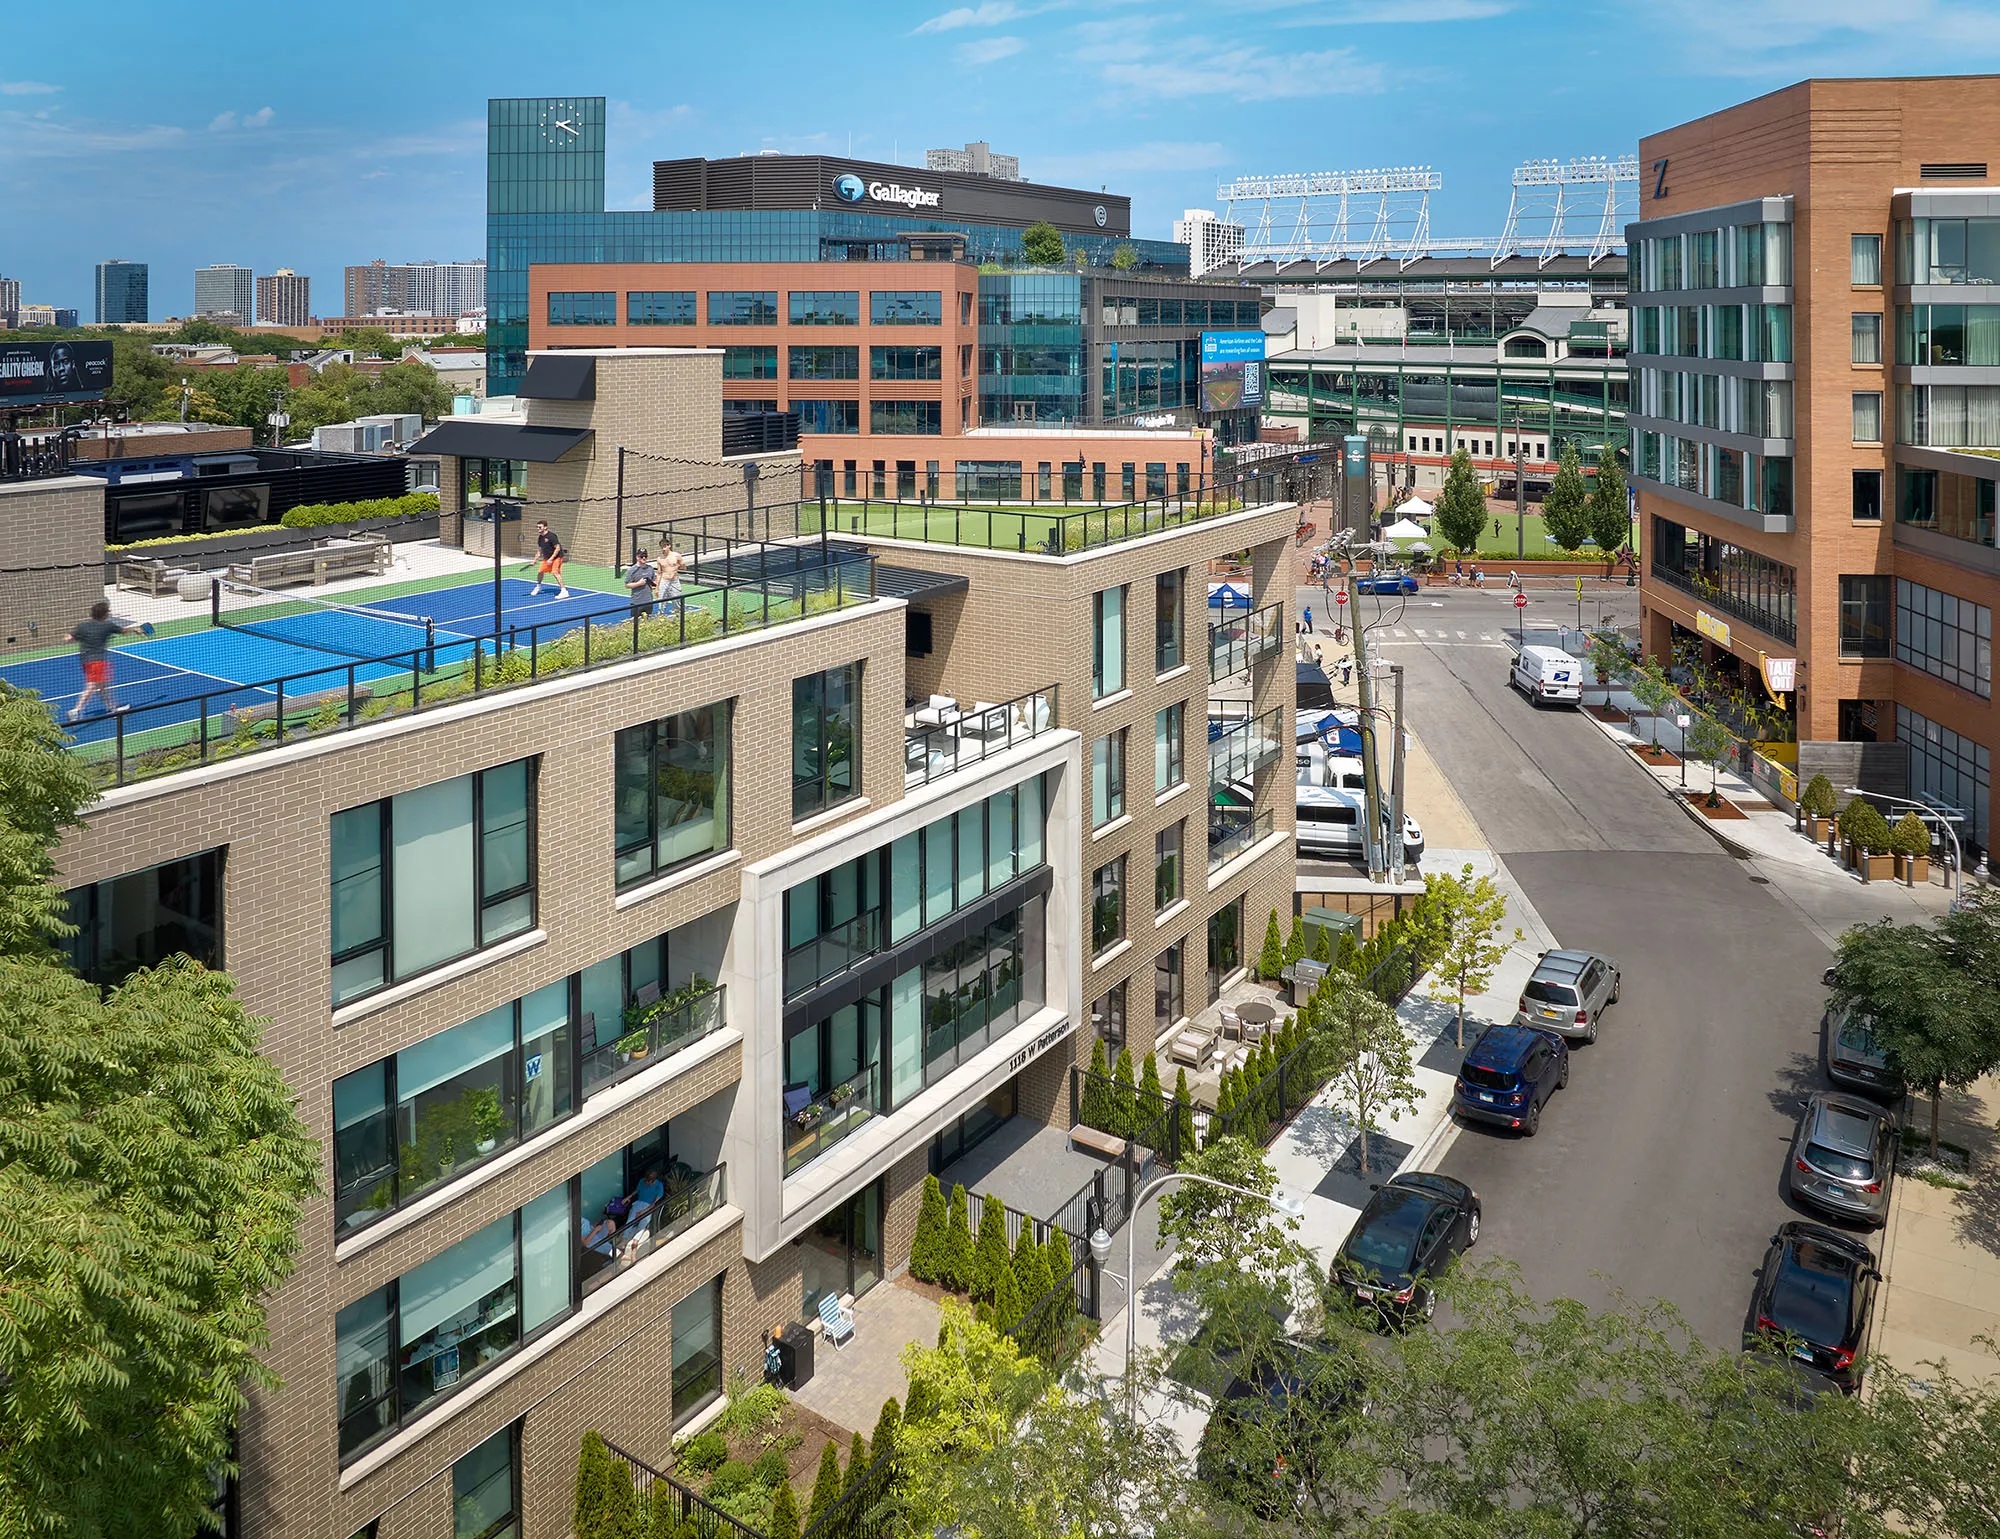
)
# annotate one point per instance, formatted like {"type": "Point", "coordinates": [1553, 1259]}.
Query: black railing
{"type": "Point", "coordinates": [695, 1516]}
{"type": "Point", "coordinates": [931, 752]}
{"type": "Point", "coordinates": [1783, 628]}
{"type": "Point", "coordinates": [863, 1511]}
{"type": "Point", "coordinates": [651, 1035]}
{"type": "Point", "coordinates": [829, 1117]}
{"type": "Point", "coordinates": [1234, 644]}
{"type": "Point", "coordinates": [686, 1203]}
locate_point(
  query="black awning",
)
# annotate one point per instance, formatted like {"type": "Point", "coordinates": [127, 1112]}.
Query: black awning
{"type": "Point", "coordinates": [552, 377]}
{"type": "Point", "coordinates": [916, 584]}
{"type": "Point", "coordinates": [467, 438]}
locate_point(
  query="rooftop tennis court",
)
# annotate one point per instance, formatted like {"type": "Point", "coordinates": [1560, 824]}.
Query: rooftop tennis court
{"type": "Point", "coordinates": [1050, 528]}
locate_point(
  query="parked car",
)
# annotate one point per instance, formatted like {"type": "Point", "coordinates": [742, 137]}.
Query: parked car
{"type": "Point", "coordinates": [1816, 1297]}
{"type": "Point", "coordinates": [1328, 826]}
{"type": "Point", "coordinates": [1385, 582]}
{"type": "Point", "coordinates": [1264, 1428]}
{"type": "Point", "coordinates": [1508, 1076]}
{"type": "Point", "coordinates": [1569, 992]}
{"type": "Point", "coordinates": [1853, 1057]}
{"type": "Point", "coordinates": [1547, 673]}
{"type": "Point", "coordinates": [1411, 1231]}
{"type": "Point", "coordinates": [1844, 1158]}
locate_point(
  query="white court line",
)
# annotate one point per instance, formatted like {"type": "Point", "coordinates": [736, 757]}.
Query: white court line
{"type": "Point", "coordinates": [172, 669]}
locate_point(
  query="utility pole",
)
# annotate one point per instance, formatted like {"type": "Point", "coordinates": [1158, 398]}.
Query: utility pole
{"type": "Point", "coordinates": [1397, 855]}
{"type": "Point", "coordinates": [1520, 491]}
{"type": "Point", "coordinates": [1371, 782]}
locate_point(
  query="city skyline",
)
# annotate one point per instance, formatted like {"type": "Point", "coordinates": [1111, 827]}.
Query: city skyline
{"type": "Point", "coordinates": [1150, 101]}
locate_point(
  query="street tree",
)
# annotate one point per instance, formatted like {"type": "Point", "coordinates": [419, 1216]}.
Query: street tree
{"type": "Point", "coordinates": [1611, 662]}
{"type": "Point", "coordinates": [1707, 742]}
{"type": "Point", "coordinates": [1042, 244]}
{"type": "Point", "coordinates": [1564, 514]}
{"type": "Point", "coordinates": [1932, 993]}
{"type": "Point", "coordinates": [1461, 505]}
{"type": "Point", "coordinates": [1463, 933]}
{"type": "Point", "coordinates": [1217, 1229]}
{"type": "Point", "coordinates": [1373, 1075]}
{"type": "Point", "coordinates": [154, 1169]}
{"type": "Point", "coordinates": [1654, 691]}
{"type": "Point", "coordinates": [1610, 517]}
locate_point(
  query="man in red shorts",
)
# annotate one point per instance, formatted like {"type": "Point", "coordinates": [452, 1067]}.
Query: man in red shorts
{"type": "Point", "coordinates": [93, 650]}
{"type": "Point", "coordinates": [550, 550]}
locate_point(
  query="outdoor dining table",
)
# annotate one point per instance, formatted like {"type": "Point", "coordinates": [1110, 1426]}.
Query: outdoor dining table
{"type": "Point", "coordinates": [1256, 1013]}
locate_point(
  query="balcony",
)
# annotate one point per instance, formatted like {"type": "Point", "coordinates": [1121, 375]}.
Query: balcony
{"type": "Point", "coordinates": [1232, 830]}
{"type": "Point", "coordinates": [1236, 644]}
{"type": "Point", "coordinates": [691, 1196]}
{"type": "Point", "coordinates": [832, 952]}
{"type": "Point", "coordinates": [655, 1029]}
{"type": "Point", "coordinates": [814, 1124]}
{"type": "Point", "coordinates": [940, 737]}
{"type": "Point", "coordinates": [1238, 749]}
{"type": "Point", "coordinates": [1713, 596]}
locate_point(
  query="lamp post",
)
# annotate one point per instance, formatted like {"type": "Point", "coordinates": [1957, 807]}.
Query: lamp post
{"type": "Point", "coordinates": [1100, 1252]}
{"type": "Point", "coordinates": [1957, 855]}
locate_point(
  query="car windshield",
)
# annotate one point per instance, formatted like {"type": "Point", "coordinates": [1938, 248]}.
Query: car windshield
{"type": "Point", "coordinates": [1486, 1079]}
{"type": "Point", "coordinates": [1857, 1040]}
{"type": "Point", "coordinates": [1551, 993]}
{"type": "Point", "coordinates": [1811, 1296]}
{"type": "Point", "coordinates": [1836, 1162]}
{"type": "Point", "coordinates": [1382, 1242]}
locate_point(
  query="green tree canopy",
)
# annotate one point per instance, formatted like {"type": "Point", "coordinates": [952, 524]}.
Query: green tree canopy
{"type": "Point", "coordinates": [1463, 920]}
{"type": "Point", "coordinates": [1609, 517]}
{"type": "Point", "coordinates": [1042, 244]}
{"type": "Point", "coordinates": [1564, 515]}
{"type": "Point", "coordinates": [1125, 256]}
{"type": "Point", "coordinates": [151, 1173]}
{"type": "Point", "coordinates": [1461, 505]}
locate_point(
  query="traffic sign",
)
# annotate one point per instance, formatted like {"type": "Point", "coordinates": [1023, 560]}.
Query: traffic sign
{"type": "Point", "coordinates": [1340, 597]}
{"type": "Point", "coordinates": [1520, 601]}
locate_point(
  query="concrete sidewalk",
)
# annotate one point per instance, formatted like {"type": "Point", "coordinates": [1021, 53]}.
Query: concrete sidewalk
{"type": "Point", "coordinates": [1315, 1158]}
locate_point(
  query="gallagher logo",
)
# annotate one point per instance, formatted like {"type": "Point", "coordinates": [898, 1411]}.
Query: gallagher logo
{"type": "Point", "coordinates": [849, 188]}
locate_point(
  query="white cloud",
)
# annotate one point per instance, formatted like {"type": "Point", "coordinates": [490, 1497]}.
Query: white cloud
{"type": "Point", "coordinates": [1250, 73]}
{"type": "Point", "coordinates": [989, 50]}
{"type": "Point", "coordinates": [1362, 13]}
{"type": "Point", "coordinates": [222, 122]}
{"type": "Point", "coordinates": [989, 13]}
{"type": "Point", "coordinates": [27, 88]}
{"type": "Point", "coordinates": [260, 118]}
{"type": "Point", "coordinates": [1796, 38]}
{"type": "Point", "coordinates": [1154, 155]}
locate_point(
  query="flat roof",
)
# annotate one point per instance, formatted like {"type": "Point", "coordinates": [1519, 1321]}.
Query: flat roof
{"type": "Point", "coordinates": [469, 437]}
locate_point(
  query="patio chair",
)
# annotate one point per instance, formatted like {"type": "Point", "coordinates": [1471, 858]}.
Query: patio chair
{"type": "Point", "coordinates": [797, 1098]}
{"type": "Point", "coordinates": [1253, 1031]}
{"type": "Point", "coordinates": [1232, 1027]}
{"type": "Point", "coordinates": [837, 1323]}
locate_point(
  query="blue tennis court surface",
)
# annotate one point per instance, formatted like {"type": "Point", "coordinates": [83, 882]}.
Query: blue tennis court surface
{"type": "Point", "coordinates": [177, 679]}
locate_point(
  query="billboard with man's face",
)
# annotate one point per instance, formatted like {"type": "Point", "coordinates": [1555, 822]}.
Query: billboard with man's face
{"type": "Point", "coordinates": [1232, 370]}
{"type": "Point", "coordinates": [32, 373]}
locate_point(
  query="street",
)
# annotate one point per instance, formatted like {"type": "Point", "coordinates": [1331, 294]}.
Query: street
{"type": "Point", "coordinates": [1658, 1170]}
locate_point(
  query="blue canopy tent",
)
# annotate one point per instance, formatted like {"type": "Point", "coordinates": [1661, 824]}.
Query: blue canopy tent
{"type": "Point", "coordinates": [1228, 595]}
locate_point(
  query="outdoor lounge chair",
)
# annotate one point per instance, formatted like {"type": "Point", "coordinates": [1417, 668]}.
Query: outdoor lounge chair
{"type": "Point", "coordinates": [837, 1323]}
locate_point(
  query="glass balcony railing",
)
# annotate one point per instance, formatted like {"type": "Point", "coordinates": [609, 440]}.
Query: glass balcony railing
{"type": "Point", "coordinates": [1231, 833]}
{"type": "Point", "coordinates": [816, 1123]}
{"type": "Point", "coordinates": [653, 1030]}
{"type": "Point", "coordinates": [1241, 640]}
{"type": "Point", "coordinates": [933, 749]}
{"type": "Point", "coordinates": [1238, 749]}
{"type": "Point", "coordinates": [832, 952]}
{"type": "Point", "coordinates": [691, 1197]}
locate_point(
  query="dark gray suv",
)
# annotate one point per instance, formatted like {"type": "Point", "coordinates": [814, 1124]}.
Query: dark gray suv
{"type": "Point", "coordinates": [1569, 993]}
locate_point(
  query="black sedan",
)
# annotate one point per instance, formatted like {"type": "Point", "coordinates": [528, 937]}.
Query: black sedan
{"type": "Point", "coordinates": [1815, 1300]}
{"type": "Point", "coordinates": [1266, 1430]}
{"type": "Point", "coordinates": [1411, 1231]}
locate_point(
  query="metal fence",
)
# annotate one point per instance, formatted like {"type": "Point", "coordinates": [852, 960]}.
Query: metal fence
{"type": "Point", "coordinates": [863, 1511]}
{"type": "Point", "coordinates": [695, 1516]}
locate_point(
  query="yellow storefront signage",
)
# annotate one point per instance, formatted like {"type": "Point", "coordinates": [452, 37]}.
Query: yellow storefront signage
{"type": "Point", "coordinates": [1715, 630]}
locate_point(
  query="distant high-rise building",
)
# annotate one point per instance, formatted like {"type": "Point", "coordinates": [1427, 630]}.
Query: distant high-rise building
{"type": "Point", "coordinates": [976, 159]}
{"type": "Point", "coordinates": [1210, 241]}
{"type": "Point", "coordinates": [10, 302]}
{"type": "Point", "coordinates": [121, 293]}
{"type": "Point", "coordinates": [45, 315]}
{"type": "Point", "coordinates": [223, 289]}
{"type": "Point", "coordinates": [416, 288]}
{"type": "Point", "coordinates": [61, 317]}
{"type": "Point", "coordinates": [284, 298]}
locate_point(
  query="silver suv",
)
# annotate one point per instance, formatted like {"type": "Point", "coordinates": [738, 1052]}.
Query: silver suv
{"type": "Point", "coordinates": [1569, 993]}
{"type": "Point", "coordinates": [1844, 1158]}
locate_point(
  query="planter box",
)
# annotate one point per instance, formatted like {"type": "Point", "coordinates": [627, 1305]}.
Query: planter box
{"type": "Point", "coordinates": [1817, 829]}
{"type": "Point", "coordinates": [1913, 868]}
{"type": "Point", "coordinates": [1876, 868]}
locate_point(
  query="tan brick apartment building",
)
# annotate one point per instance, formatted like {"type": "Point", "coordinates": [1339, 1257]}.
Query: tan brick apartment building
{"type": "Point", "coordinates": [869, 947]}
{"type": "Point", "coordinates": [1816, 413]}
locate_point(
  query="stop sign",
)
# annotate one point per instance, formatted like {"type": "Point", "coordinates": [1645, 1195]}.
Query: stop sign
{"type": "Point", "coordinates": [1340, 597]}
{"type": "Point", "coordinates": [1520, 601]}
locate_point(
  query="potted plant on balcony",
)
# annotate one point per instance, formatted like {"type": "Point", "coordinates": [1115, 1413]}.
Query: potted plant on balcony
{"type": "Point", "coordinates": [1873, 843]}
{"type": "Point", "coordinates": [1816, 804]}
{"type": "Point", "coordinates": [634, 1044]}
{"type": "Point", "coordinates": [482, 1106]}
{"type": "Point", "coordinates": [1911, 841]}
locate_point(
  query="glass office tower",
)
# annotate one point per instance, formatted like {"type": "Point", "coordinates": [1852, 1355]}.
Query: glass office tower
{"type": "Point", "coordinates": [121, 293]}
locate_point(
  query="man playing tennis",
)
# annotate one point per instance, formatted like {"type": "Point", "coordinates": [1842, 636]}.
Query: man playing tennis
{"type": "Point", "coordinates": [550, 550]}
{"type": "Point", "coordinates": [93, 650]}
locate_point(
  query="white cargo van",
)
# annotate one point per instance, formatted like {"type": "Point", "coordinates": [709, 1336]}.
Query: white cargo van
{"type": "Point", "coordinates": [1548, 673]}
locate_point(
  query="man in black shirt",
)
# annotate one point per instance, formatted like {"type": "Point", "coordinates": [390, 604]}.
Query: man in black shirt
{"type": "Point", "coordinates": [93, 650]}
{"type": "Point", "coordinates": [550, 550]}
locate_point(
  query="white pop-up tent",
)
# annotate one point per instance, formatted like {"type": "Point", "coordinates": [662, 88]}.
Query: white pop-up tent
{"type": "Point", "coordinates": [1413, 507]}
{"type": "Point", "coordinates": [1404, 529]}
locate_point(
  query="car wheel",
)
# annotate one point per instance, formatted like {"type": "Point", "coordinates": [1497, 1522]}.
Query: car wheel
{"type": "Point", "coordinates": [1430, 1305]}
{"type": "Point", "coordinates": [1472, 1230]}
{"type": "Point", "coordinates": [1562, 1079]}
{"type": "Point", "coordinates": [1532, 1123]}
{"type": "Point", "coordinates": [1617, 987]}
{"type": "Point", "coordinates": [1590, 1030]}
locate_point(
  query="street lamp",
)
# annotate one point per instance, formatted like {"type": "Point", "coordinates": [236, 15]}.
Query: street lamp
{"type": "Point", "coordinates": [1957, 856]}
{"type": "Point", "coordinates": [1100, 1252]}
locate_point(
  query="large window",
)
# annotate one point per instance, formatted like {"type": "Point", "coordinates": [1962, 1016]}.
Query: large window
{"type": "Point", "coordinates": [1107, 642]}
{"type": "Point", "coordinates": [1864, 616]}
{"type": "Point", "coordinates": [1739, 582]}
{"type": "Point", "coordinates": [1950, 416]}
{"type": "Point", "coordinates": [1948, 250]}
{"type": "Point", "coordinates": [1225, 946]}
{"type": "Point", "coordinates": [824, 362]}
{"type": "Point", "coordinates": [978, 479]}
{"type": "Point", "coordinates": [906, 307]}
{"type": "Point", "coordinates": [1169, 619]}
{"type": "Point", "coordinates": [1868, 416]}
{"type": "Point", "coordinates": [905, 363]}
{"type": "Point", "coordinates": [583, 309]}
{"type": "Point", "coordinates": [826, 733]}
{"type": "Point", "coordinates": [1169, 990]}
{"type": "Point", "coordinates": [1167, 846]}
{"type": "Point", "coordinates": [1945, 335]}
{"type": "Point", "coordinates": [1868, 496]}
{"type": "Point", "coordinates": [1169, 757]}
{"type": "Point", "coordinates": [140, 919]}
{"type": "Point", "coordinates": [421, 1337]}
{"type": "Point", "coordinates": [1946, 636]}
{"type": "Point", "coordinates": [742, 307]}
{"type": "Point", "coordinates": [979, 988]}
{"type": "Point", "coordinates": [1107, 779]}
{"type": "Point", "coordinates": [697, 1350]}
{"type": "Point", "coordinates": [905, 417]}
{"type": "Point", "coordinates": [485, 1489]}
{"type": "Point", "coordinates": [672, 790]}
{"type": "Point", "coordinates": [482, 479]}
{"type": "Point", "coordinates": [431, 875]}
{"type": "Point", "coordinates": [750, 362]}
{"type": "Point", "coordinates": [1107, 905]}
{"type": "Point", "coordinates": [824, 307]}
{"type": "Point", "coordinates": [660, 307]}
{"type": "Point", "coordinates": [425, 1115]}
{"type": "Point", "coordinates": [1107, 1017]}
{"type": "Point", "coordinates": [828, 417]}
{"type": "Point", "coordinates": [1954, 769]}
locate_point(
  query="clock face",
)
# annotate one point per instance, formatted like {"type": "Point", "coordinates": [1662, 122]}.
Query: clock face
{"type": "Point", "coordinates": [562, 125]}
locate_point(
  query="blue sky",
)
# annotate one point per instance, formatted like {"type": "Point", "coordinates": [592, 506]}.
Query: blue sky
{"type": "Point", "coordinates": [312, 136]}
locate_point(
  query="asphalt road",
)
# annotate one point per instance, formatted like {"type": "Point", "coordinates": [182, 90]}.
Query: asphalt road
{"type": "Point", "coordinates": [1658, 1170]}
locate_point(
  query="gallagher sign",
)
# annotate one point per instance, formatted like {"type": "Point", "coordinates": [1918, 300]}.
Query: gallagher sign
{"type": "Point", "coordinates": [850, 188]}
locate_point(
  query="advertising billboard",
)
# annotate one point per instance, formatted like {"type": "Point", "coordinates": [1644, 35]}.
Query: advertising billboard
{"type": "Point", "coordinates": [1232, 370]}
{"type": "Point", "coordinates": [32, 373]}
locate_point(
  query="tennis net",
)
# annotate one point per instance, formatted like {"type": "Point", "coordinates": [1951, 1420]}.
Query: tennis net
{"type": "Point", "coordinates": [326, 625]}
